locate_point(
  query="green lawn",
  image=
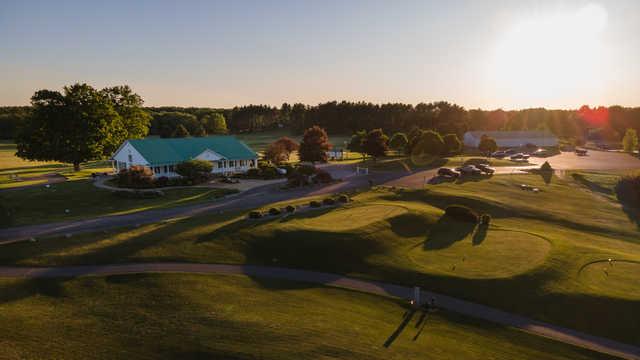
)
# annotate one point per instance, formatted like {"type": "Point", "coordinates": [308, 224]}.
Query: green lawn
{"type": "Point", "coordinates": [83, 200]}
{"type": "Point", "coordinates": [408, 163]}
{"type": "Point", "coordinates": [535, 259]}
{"type": "Point", "coordinates": [14, 170]}
{"type": "Point", "coordinates": [234, 317]}
{"type": "Point", "coordinates": [259, 141]}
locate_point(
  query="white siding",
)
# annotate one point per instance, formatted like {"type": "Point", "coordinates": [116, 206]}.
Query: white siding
{"type": "Point", "coordinates": [129, 155]}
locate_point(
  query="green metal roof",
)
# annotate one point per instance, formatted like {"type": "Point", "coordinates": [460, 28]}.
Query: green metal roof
{"type": "Point", "coordinates": [175, 150]}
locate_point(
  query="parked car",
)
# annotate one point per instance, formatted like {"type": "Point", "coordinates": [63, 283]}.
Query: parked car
{"type": "Point", "coordinates": [499, 154]}
{"type": "Point", "coordinates": [581, 152]}
{"type": "Point", "coordinates": [519, 156]}
{"type": "Point", "coordinates": [448, 172]}
{"type": "Point", "coordinates": [468, 170]}
{"type": "Point", "coordinates": [509, 152]}
{"type": "Point", "coordinates": [540, 152]}
{"type": "Point", "coordinates": [486, 169]}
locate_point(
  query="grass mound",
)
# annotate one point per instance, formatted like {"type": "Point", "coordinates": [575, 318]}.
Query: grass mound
{"type": "Point", "coordinates": [352, 218]}
{"type": "Point", "coordinates": [616, 278]}
{"type": "Point", "coordinates": [480, 254]}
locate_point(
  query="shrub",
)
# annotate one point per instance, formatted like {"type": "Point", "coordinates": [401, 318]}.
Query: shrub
{"type": "Point", "coordinates": [137, 177]}
{"type": "Point", "coordinates": [344, 198]}
{"type": "Point", "coordinates": [485, 219]}
{"type": "Point", "coordinates": [628, 190]}
{"type": "Point", "coordinates": [269, 172]}
{"type": "Point", "coordinates": [253, 173]}
{"type": "Point", "coordinates": [274, 211]}
{"type": "Point", "coordinates": [329, 201]}
{"type": "Point", "coordinates": [195, 170]}
{"type": "Point", "coordinates": [290, 209]}
{"type": "Point", "coordinates": [322, 177]}
{"type": "Point", "coordinates": [162, 181]}
{"type": "Point", "coordinates": [546, 167]}
{"type": "Point", "coordinates": [255, 214]}
{"type": "Point", "coordinates": [461, 212]}
{"type": "Point", "coordinates": [315, 204]}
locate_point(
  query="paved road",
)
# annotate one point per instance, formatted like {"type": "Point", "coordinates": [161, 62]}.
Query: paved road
{"type": "Point", "coordinates": [261, 196]}
{"type": "Point", "coordinates": [558, 333]}
{"type": "Point", "coordinates": [249, 199]}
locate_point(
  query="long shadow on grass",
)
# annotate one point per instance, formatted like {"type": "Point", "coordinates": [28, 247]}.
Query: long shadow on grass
{"type": "Point", "coordinates": [497, 210]}
{"type": "Point", "coordinates": [446, 232]}
{"type": "Point", "coordinates": [410, 224]}
{"type": "Point", "coordinates": [405, 321]}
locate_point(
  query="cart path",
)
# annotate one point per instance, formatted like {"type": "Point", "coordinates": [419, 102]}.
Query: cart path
{"type": "Point", "coordinates": [467, 308]}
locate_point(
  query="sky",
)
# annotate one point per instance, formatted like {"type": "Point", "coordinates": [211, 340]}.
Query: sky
{"type": "Point", "coordinates": [480, 54]}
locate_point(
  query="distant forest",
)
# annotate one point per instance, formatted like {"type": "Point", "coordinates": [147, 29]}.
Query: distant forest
{"type": "Point", "coordinates": [607, 124]}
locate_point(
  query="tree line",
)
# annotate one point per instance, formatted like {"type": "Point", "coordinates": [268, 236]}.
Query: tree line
{"type": "Point", "coordinates": [602, 123]}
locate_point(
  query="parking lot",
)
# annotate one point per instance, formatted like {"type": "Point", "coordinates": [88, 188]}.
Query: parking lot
{"type": "Point", "coordinates": [594, 160]}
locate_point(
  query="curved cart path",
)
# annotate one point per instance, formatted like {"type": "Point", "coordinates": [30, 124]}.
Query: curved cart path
{"type": "Point", "coordinates": [558, 333]}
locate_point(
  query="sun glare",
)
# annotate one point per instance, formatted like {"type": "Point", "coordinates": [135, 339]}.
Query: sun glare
{"type": "Point", "coordinates": [543, 57]}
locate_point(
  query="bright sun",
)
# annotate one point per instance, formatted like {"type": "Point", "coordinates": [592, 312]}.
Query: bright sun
{"type": "Point", "coordinates": [543, 57]}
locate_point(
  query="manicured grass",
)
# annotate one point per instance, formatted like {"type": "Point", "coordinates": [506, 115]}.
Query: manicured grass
{"type": "Point", "coordinates": [8, 160]}
{"type": "Point", "coordinates": [197, 316]}
{"type": "Point", "coordinates": [11, 167]}
{"type": "Point", "coordinates": [14, 184]}
{"type": "Point", "coordinates": [259, 141]}
{"type": "Point", "coordinates": [83, 200]}
{"type": "Point", "coordinates": [529, 261]}
{"type": "Point", "coordinates": [408, 163]}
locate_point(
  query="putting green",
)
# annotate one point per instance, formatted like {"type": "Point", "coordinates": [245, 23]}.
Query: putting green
{"type": "Point", "coordinates": [498, 254]}
{"type": "Point", "coordinates": [345, 219]}
{"type": "Point", "coordinates": [618, 278]}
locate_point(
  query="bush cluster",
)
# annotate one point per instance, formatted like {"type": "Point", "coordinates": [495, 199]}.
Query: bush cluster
{"type": "Point", "coordinates": [461, 213]}
{"type": "Point", "coordinates": [274, 211]}
{"type": "Point", "coordinates": [306, 174]}
{"type": "Point", "coordinates": [255, 214]}
{"type": "Point", "coordinates": [290, 209]}
{"type": "Point", "coordinates": [198, 171]}
{"type": "Point", "coordinates": [328, 201]}
{"type": "Point", "coordinates": [136, 177]}
{"type": "Point", "coordinates": [315, 204]}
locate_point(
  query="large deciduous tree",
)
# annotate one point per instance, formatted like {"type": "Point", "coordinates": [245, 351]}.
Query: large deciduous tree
{"type": "Point", "coordinates": [80, 124]}
{"type": "Point", "coordinates": [487, 144]}
{"type": "Point", "coordinates": [452, 144]}
{"type": "Point", "coordinates": [280, 150]}
{"type": "Point", "coordinates": [129, 106]}
{"type": "Point", "coordinates": [314, 145]}
{"type": "Point", "coordinates": [214, 123]}
{"type": "Point", "coordinates": [398, 141]}
{"type": "Point", "coordinates": [429, 143]}
{"type": "Point", "coordinates": [375, 143]}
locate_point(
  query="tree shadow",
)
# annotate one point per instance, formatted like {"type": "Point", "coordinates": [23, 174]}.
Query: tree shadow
{"type": "Point", "coordinates": [405, 321]}
{"type": "Point", "coordinates": [410, 224]}
{"type": "Point", "coordinates": [446, 232]}
{"type": "Point", "coordinates": [479, 235]}
{"type": "Point", "coordinates": [633, 214]}
{"type": "Point", "coordinates": [591, 185]}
